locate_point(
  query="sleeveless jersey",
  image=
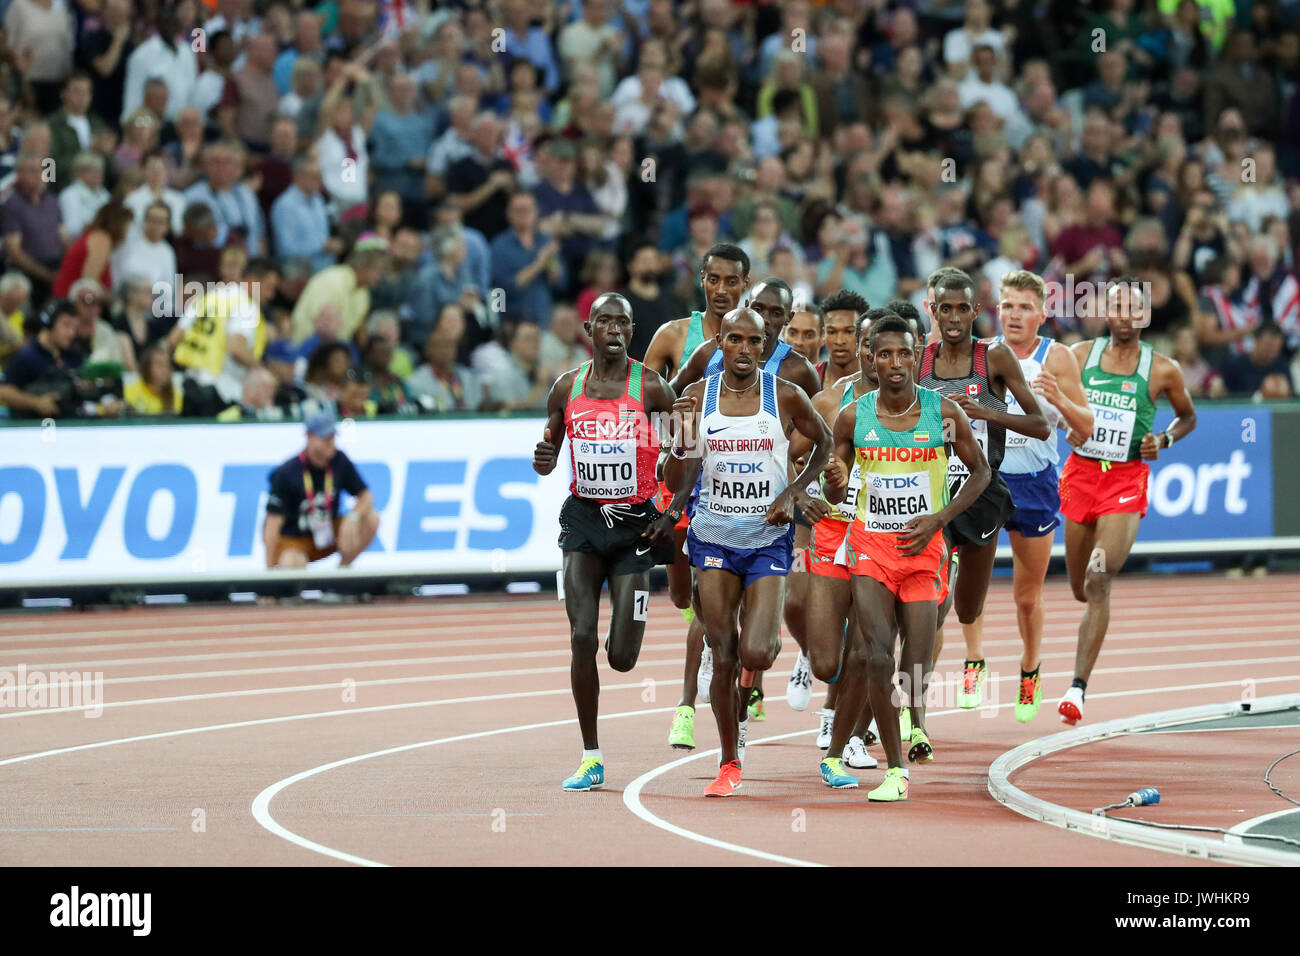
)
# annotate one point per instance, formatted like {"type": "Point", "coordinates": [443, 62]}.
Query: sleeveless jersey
{"type": "Point", "coordinates": [610, 442]}
{"type": "Point", "coordinates": [991, 438]}
{"type": "Point", "coordinates": [847, 509]}
{"type": "Point", "coordinates": [1025, 455]}
{"type": "Point", "coordinates": [773, 363]}
{"type": "Point", "coordinates": [744, 470]}
{"type": "Point", "coordinates": [904, 473]}
{"type": "Point", "coordinates": [204, 344]}
{"type": "Point", "coordinates": [1122, 409]}
{"type": "Point", "coordinates": [694, 339]}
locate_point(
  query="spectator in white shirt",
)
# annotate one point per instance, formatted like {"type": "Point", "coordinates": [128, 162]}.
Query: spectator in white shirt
{"type": "Point", "coordinates": [146, 252]}
{"type": "Point", "coordinates": [635, 97]}
{"type": "Point", "coordinates": [959, 45]}
{"type": "Point", "coordinates": [1263, 196]}
{"type": "Point", "coordinates": [154, 189]}
{"type": "Point", "coordinates": [983, 86]}
{"type": "Point", "coordinates": [593, 40]}
{"type": "Point", "coordinates": [80, 201]}
{"type": "Point", "coordinates": [167, 56]}
{"type": "Point", "coordinates": [344, 161]}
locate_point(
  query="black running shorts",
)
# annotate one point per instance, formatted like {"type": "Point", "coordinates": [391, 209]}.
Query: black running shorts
{"type": "Point", "coordinates": [980, 523]}
{"type": "Point", "coordinates": [613, 532]}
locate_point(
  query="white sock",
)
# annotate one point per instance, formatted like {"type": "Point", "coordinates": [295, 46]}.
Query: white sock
{"type": "Point", "coordinates": [827, 712]}
{"type": "Point", "coordinates": [906, 775]}
{"type": "Point", "coordinates": [589, 754]}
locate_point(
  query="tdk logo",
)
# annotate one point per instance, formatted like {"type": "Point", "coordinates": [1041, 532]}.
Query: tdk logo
{"type": "Point", "coordinates": [901, 481]}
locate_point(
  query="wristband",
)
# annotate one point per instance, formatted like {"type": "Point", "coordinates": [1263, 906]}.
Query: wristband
{"type": "Point", "coordinates": [1169, 438]}
{"type": "Point", "coordinates": [681, 454]}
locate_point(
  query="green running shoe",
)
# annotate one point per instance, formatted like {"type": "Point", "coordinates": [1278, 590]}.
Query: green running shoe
{"type": "Point", "coordinates": [893, 788]}
{"type": "Point", "coordinates": [1030, 699]}
{"type": "Point", "coordinates": [688, 614]}
{"type": "Point", "coordinates": [833, 775]}
{"type": "Point", "coordinates": [971, 694]}
{"type": "Point", "coordinates": [682, 736]}
{"type": "Point", "coordinates": [920, 750]}
{"type": "Point", "coordinates": [904, 723]}
{"type": "Point", "coordinates": [756, 705]}
{"type": "Point", "coordinates": [590, 776]}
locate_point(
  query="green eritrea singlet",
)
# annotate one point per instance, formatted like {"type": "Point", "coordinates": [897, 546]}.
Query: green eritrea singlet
{"type": "Point", "coordinates": [1122, 409]}
{"type": "Point", "coordinates": [904, 473]}
{"type": "Point", "coordinates": [694, 339]}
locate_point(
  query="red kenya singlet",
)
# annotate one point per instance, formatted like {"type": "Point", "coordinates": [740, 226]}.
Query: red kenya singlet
{"type": "Point", "coordinates": [613, 448]}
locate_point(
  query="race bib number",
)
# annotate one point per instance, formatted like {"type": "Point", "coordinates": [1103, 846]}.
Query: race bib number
{"type": "Point", "coordinates": [604, 469]}
{"type": "Point", "coordinates": [640, 605]}
{"type": "Point", "coordinates": [894, 500]}
{"type": "Point", "coordinates": [322, 529]}
{"type": "Point", "coordinates": [1112, 433]}
{"type": "Point", "coordinates": [956, 467]}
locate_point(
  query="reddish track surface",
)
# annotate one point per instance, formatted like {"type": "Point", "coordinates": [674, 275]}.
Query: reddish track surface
{"type": "Point", "coordinates": [491, 670]}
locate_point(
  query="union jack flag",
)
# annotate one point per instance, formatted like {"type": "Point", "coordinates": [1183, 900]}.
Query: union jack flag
{"type": "Point", "coordinates": [519, 151]}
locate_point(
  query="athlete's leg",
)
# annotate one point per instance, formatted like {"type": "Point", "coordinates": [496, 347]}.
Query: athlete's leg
{"type": "Point", "coordinates": [1030, 557]}
{"type": "Point", "coordinates": [916, 623]}
{"type": "Point", "coordinates": [971, 590]}
{"type": "Point", "coordinates": [584, 574]}
{"type": "Point", "coordinates": [760, 634]}
{"type": "Point", "coordinates": [629, 596]}
{"type": "Point", "coordinates": [796, 590]}
{"type": "Point", "coordinates": [828, 609]}
{"type": "Point", "coordinates": [1079, 543]}
{"type": "Point", "coordinates": [679, 573]}
{"type": "Point", "coordinates": [694, 646]}
{"type": "Point", "coordinates": [1115, 536]}
{"type": "Point", "coordinates": [953, 570]}
{"type": "Point", "coordinates": [873, 607]}
{"type": "Point", "coordinates": [852, 692]}
{"type": "Point", "coordinates": [720, 593]}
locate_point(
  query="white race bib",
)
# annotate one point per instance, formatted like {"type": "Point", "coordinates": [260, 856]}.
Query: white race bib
{"type": "Point", "coordinates": [1112, 433]}
{"type": "Point", "coordinates": [956, 467]}
{"type": "Point", "coordinates": [741, 488]}
{"type": "Point", "coordinates": [849, 506]}
{"type": "Point", "coordinates": [894, 500]}
{"type": "Point", "coordinates": [604, 469]}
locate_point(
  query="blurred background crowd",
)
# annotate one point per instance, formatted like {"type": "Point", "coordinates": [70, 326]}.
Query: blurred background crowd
{"type": "Point", "coordinates": [418, 202]}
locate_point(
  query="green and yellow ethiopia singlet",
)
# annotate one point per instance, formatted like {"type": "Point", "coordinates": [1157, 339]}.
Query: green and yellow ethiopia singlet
{"type": "Point", "coordinates": [904, 473]}
{"type": "Point", "coordinates": [1122, 409]}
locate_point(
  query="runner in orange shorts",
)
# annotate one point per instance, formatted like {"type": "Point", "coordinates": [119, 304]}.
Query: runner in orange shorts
{"type": "Point", "coordinates": [896, 438]}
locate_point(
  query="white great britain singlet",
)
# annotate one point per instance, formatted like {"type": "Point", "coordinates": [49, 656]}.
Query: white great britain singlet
{"type": "Point", "coordinates": [744, 470]}
{"type": "Point", "coordinates": [1025, 455]}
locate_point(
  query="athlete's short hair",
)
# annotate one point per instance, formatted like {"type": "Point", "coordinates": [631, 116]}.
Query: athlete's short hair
{"type": "Point", "coordinates": [729, 251]}
{"type": "Point", "coordinates": [610, 295]}
{"type": "Point", "coordinates": [938, 275]}
{"type": "Point", "coordinates": [815, 311]}
{"type": "Point", "coordinates": [905, 310]}
{"type": "Point", "coordinates": [1022, 280]}
{"type": "Point", "coordinates": [868, 319]}
{"type": "Point", "coordinates": [1135, 286]}
{"type": "Point", "coordinates": [776, 282]}
{"type": "Point", "coordinates": [889, 323]}
{"type": "Point", "coordinates": [845, 300]}
{"type": "Point", "coordinates": [955, 279]}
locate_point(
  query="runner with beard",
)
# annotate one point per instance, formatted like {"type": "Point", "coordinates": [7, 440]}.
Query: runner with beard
{"type": "Point", "coordinates": [724, 277]}
{"type": "Point", "coordinates": [610, 529]}
{"type": "Point", "coordinates": [897, 436]}
{"type": "Point", "coordinates": [977, 377]}
{"type": "Point", "coordinates": [741, 535]}
{"type": "Point", "coordinates": [1104, 482]}
{"type": "Point", "coordinates": [773, 301]}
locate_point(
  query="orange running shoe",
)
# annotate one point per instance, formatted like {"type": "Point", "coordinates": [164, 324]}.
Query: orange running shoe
{"type": "Point", "coordinates": [728, 781]}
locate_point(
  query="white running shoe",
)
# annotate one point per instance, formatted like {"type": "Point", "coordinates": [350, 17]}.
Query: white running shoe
{"type": "Point", "coordinates": [704, 676]}
{"type": "Point", "coordinates": [1071, 707]}
{"type": "Point", "coordinates": [856, 756]}
{"type": "Point", "coordinates": [740, 742]}
{"type": "Point", "coordinates": [798, 692]}
{"type": "Point", "coordinates": [828, 724]}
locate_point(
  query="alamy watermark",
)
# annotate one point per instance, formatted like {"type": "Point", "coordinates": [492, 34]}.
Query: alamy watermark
{"type": "Point", "coordinates": [223, 298]}
{"type": "Point", "coordinates": [24, 689]}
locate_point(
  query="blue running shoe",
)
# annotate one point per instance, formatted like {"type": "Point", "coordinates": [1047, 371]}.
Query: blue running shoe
{"type": "Point", "coordinates": [833, 775]}
{"type": "Point", "coordinates": [590, 776]}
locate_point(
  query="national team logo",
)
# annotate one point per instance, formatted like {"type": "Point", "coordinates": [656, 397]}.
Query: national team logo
{"type": "Point", "coordinates": [1128, 386]}
{"type": "Point", "coordinates": [762, 427]}
{"type": "Point", "coordinates": [626, 414]}
{"type": "Point", "coordinates": [712, 562]}
{"type": "Point", "coordinates": [973, 389]}
{"type": "Point", "coordinates": [920, 436]}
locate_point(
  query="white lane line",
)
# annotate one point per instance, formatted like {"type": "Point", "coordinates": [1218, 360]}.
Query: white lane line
{"type": "Point", "coordinates": [563, 637]}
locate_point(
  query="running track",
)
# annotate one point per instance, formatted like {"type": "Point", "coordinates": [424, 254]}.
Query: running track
{"type": "Point", "coordinates": [437, 732]}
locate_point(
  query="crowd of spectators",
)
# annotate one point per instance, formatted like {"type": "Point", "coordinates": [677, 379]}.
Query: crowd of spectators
{"type": "Point", "coordinates": [237, 208]}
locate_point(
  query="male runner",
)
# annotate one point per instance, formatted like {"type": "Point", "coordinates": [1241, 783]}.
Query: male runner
{"type": "Point", "coordinates": [806, 334]}
{"type": "Point", "coordinates": [895, 436]}
{"type": "Point", "coordinates": [1029, 464]}
{"type": "Point", "coordinates": [1104, 482]}
{"type": "Point", "coordinates": [741, 535]}
{"type": "Point", "coordinates": [609, 526]}
{"type": "Point", "coordinates": [977, 377]}
{"type": "Point", "coordinates": [724, 277]}
{"type": "Point", "coordinates": [773, 301]}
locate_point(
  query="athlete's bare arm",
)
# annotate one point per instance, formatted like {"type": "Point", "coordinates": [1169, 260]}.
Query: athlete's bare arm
{"type": "Point", "coordinates": [841, 462]}
{"type": "Point", "coordinates": [826, 403]}
{"type": "Point", "coordinates": [912, 540]}
{"type": "Point", "coordinates": [797, 370]}
{"type": "Point", "coordinates": [547, 452]}
{"type": "Point", "coordinates": [797, 414]}
{"type": "Point", "coordinates": [695, 366]}
{"type": "Point", "coordinates": [681, 473]}
{"type": "Point", "coordinates": [1167, 380]}
{"type": "Point", "coordinates": [658, 398]}
{"type": "Point", "coordinates": [665, 346]}
{"type": "Point", "coordinates": [1060, 383]}
{"type": "Point", "coordinates": [1005, 367]}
